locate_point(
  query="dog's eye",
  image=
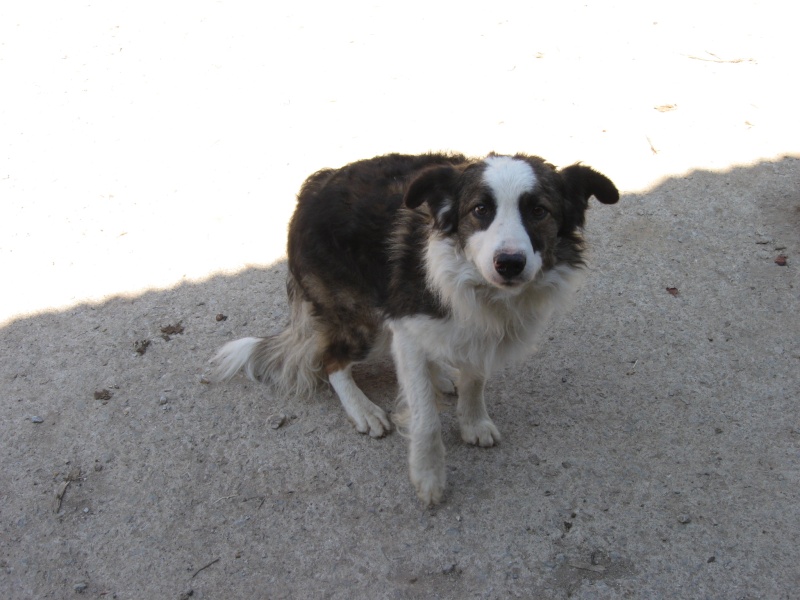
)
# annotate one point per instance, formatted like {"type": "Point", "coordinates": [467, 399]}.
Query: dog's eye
{"type": "Point", "coordinates": [539, 212]}
{"type": "Point", "coordinates": [481, 211]}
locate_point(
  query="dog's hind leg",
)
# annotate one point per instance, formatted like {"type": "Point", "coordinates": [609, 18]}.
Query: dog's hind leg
{"type": "Point", "coordinates": [366, 416]}
{"type": "Point", "coordinates": [347, 329]}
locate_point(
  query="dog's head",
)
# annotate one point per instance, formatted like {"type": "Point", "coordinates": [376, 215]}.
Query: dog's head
{"type": "Point", "coordinates": [511, 216]}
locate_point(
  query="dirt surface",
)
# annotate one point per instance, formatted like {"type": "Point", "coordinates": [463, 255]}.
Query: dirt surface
{"type": "Point", "coordinates": [651, 448]}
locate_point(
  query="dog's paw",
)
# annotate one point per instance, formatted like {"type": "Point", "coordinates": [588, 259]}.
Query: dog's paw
{"type": "Point", "coordinates": [371, 420]}
{"type": "Point", "coordinates": [429, 484]}
{"type": "Point", "coordinates": [480, 433]}
{"type": "Point", "coordinates": [427, 469]}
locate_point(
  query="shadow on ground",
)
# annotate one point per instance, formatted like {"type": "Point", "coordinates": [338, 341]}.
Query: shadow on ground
{"type": "Point", "coordinates": [651, 448]}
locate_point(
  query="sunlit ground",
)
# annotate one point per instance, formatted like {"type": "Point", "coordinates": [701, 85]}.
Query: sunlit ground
{"type": "Point", "coordinates": [146, 145]}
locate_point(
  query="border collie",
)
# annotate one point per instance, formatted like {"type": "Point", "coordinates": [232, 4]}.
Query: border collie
{"type": "Point", "coordinates": [458, 262]}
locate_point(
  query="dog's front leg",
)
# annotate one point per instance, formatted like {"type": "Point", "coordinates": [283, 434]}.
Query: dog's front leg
{"type": "Point", "coordinates": [476, 426]}
{"type": "Point", "coordinates": [426, 453]}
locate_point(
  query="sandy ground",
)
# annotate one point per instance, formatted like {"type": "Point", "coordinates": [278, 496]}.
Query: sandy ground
{"type": "Point", "coordinates": [149, 157]}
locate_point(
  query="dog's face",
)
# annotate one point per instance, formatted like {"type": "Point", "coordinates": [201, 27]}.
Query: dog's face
{"type": "Point", "coordinates": [512, 217]}
{"type": "Point", "coordinates": [504, 227]}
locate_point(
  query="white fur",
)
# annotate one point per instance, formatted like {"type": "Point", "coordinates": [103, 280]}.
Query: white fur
{"type": "Point", "coordinates": [488, 313]}
{"type": "Point", "coordinates": [508, 179]}
{"type": "Point", "coordinates": [485, 330]}
{"type": "Point", "coordinates": [443, 213]}
{"type": "Point", "coordinates": [232, 357]}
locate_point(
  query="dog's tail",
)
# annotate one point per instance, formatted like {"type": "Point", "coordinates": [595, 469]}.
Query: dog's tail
{"type": "Point", "coordinates": [290, 360]}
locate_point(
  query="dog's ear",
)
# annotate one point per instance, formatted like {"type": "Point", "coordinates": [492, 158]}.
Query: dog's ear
{"type": "Point", "coordinates": [580, 184]}
{"type": "Point", "coordinates": [434, 185]}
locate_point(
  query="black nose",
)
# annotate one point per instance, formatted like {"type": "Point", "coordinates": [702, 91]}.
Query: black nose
{"type": "Point", "coordinates": [509, 265]}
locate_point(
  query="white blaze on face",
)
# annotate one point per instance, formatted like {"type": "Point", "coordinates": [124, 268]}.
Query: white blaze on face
{"type": "Point", "coordinates": [508, 179]}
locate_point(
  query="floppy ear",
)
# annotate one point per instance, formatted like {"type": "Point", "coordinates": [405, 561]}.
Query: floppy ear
{"type": "Point", "coordinates": [580, 184]}
{"type": "Point", "coordinates": [434, 185]}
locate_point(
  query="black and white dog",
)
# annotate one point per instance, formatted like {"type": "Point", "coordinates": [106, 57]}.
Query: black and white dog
{"type": "Point", "coordinates": [459, 262]}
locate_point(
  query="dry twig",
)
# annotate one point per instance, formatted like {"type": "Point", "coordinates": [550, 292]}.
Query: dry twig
{"type": "Point", "coordinates": [73, 475]}
{"type": "Point", "coordinates": [216, 560]}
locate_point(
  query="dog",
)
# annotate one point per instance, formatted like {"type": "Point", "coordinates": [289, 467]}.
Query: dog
{"type": "Point", "coordinates": [457, 263]}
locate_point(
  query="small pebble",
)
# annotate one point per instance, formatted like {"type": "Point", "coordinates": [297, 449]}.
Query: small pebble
{"type": "Point", "coordinates": [37, 420]}
{"type": "Point", "coordinates": [684, 519]}
{"type": "Point", "coordinates": [80, 587]}
{"type": "Point", "coordinates": [276, 421]}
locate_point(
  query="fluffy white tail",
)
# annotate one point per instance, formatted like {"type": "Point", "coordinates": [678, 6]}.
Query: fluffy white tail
{"type": "Point", "coordinates": [233, 357]}
{"type": "Point", "coordinates": [290, 360]}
